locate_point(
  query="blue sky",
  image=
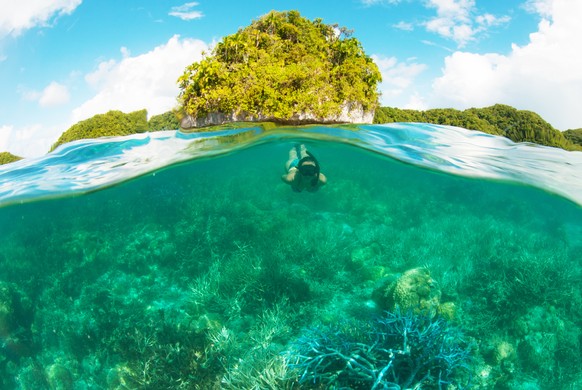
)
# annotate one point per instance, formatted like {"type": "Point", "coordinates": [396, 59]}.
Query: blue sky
{"type": "Point", "coordinates": [62, 61]}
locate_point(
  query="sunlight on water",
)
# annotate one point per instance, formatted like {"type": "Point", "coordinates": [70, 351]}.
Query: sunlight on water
{"type": "Point", "coordinates": [433, 257]}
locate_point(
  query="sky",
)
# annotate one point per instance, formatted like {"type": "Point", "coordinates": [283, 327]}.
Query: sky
{"type": "Point", "coordinates": [63, 61]}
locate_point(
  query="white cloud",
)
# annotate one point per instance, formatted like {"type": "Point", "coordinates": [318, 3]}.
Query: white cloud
{"type": "Point", "coordinates": [488, 20]}
{"type": "Point", "coordinates": [374, 2]}
{"type": "Point", "coordinates": [397, 78]}
{"type": "Point", "coordinates": [456, 20]}
{"type": "Point", "coordinates": [125, 53]}
{"type": "Point", "coordinates": [53, 95]}
{"type": "Point", "coordinates": [473, 78]}
{"type": "Point", "coordinates": [543, 76]}
{"type": "Point", "coordinates": [28, 141]}
{"type": "Point", "coordinates": [540, 7]}
{"type": "Point", "coordinates": [186, 11]}
{"type": "Point", "coordinates": [5, 133]}
{"type": "Point", "coordinates": [17, 16]}
{"type": "Point", "coordinates": [146, 81]}
{"type": "Point", "coordinates": [404, 26]}
{"type": "Point", "coordinates": [431, 43]}
{"type": "Point", "coordinates": [415, 102]}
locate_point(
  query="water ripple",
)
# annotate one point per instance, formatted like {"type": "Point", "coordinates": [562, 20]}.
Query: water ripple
{"type": "Point", "coordinates": [88, 165]}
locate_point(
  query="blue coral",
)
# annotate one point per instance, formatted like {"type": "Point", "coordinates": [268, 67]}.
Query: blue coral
{"type": "Point", "coordinates": [396, 351]}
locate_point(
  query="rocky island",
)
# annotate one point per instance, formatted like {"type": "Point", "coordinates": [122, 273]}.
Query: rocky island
{"type": "Point", "coordinates": [282, 68]}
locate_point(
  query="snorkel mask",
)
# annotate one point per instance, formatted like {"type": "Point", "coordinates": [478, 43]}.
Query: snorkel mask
{"type": "Point", "coordinates": [309, 169]}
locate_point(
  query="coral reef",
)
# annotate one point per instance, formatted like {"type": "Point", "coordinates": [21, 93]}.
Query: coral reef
{"type": "Point", "coordinates": [59, 377]}
{"type": "Point", "coordinates": [199, 278]}
{"type": "Point", "coordinates": [448, 310]}
{"type": "Point", "coordinates": [414, 290]}
{"type": "Point", "coordinates": [396, 351]}
{"type": "Point", "coordinates": [15, 322]}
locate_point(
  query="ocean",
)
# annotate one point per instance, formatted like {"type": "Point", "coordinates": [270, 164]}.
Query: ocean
{"type": "Point", "coordinates": [434, 257]}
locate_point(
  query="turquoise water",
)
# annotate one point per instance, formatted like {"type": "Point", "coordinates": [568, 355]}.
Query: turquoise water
{"type": "Point", "coordinates": [434, 257]}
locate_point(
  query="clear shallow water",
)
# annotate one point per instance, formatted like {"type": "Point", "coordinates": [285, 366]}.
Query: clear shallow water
{"type": "Point", "coordinates": [212, 273]}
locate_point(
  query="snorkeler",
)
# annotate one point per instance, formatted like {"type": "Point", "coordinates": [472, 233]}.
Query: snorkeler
{"type": "Point", "coordinates": [303, 172]}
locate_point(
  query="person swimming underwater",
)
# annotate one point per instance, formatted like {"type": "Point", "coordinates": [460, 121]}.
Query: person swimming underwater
{"type": "Point", "coordinates": [303, 171]}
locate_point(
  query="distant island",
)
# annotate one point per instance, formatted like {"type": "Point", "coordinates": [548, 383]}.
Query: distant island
{"type": "Point", "coordinates": [503, 120]}
{"type": "Point", "coordinates": [499, 119]}
{"type": "Point", "coordinates": [117, 123]}
{"type": "Point", "coordinates": [6, 158]}
{"type": "Point", "coordinates": [286, 69]}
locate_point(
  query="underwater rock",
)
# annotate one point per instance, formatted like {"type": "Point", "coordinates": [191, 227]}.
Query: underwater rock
{"type": "Point", "coordinates": [361, 255]}
{"type": "Point", "coordinates": [497, 364]}
{"type": "Point", "coordinates": [448, 310]}
{"type": "Point", "coordinates": [500, 352]}
{"type": "Point", "coordinates": [122, 377]}
{"type": "Point", "coordinates": [59, 377]}
{"type": "Point", "coordinates": [414, 290]}
{"type": "Point", "coordinates": [504, 351]}
{"type": "Point", "coordinates": [350, 113]}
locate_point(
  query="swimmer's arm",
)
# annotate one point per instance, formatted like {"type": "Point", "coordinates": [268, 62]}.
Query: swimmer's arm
{"type": "Point", "coordinates": [289, 177]}
{"type": "Point", "coordinates": [322, 179]}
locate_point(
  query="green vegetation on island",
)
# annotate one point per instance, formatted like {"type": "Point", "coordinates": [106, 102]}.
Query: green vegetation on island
{"type": "Point", "coordinates": [574, 135]}
{"type": "Point", "coordinates": [113, 123]}
{"type": "Point", "coordinates": [117, 123]}
{"type": "Point", "coordinates": [282, 67]}
{"type": "Point", "coordinates": [6, 158]}
{"type": "Point", "coordinates": [166, 121]}
{"type": "Point", "coordinates": [500, 119]}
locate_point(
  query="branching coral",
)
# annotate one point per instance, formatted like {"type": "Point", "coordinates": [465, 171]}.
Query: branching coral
{"type": "Point", "coordinates": [396, 351]}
